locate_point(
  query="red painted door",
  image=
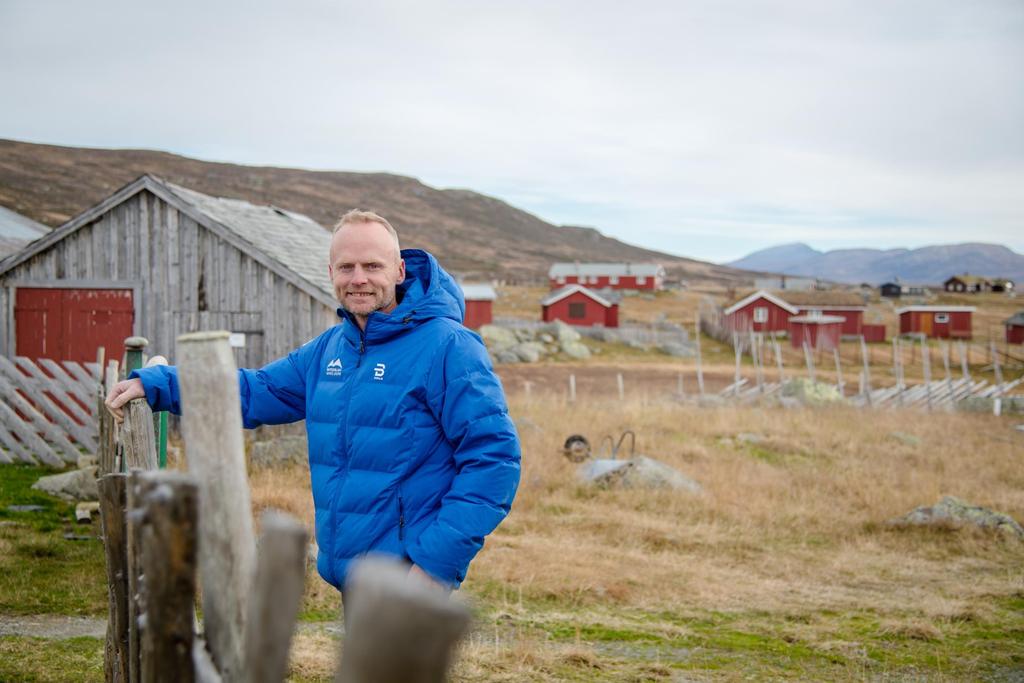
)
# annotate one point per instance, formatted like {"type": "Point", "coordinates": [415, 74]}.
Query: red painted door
{"type": "Point", "coordinates": [71, 324]}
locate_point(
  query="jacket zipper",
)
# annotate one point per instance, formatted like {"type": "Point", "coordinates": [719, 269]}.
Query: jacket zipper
{"type": "Point", "coordinates": [401, 517]}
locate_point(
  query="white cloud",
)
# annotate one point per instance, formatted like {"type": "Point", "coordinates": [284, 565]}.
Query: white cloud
{"type": "Point", "coordinates": [704, 128]}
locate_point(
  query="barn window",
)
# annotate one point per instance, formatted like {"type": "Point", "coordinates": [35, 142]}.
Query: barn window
{"type": "Point", "coordinates": [761, 314]}
{"type": "Point", "coordinates": [942, 317]}
{"type": "Point", "coordinates": [577, 311]}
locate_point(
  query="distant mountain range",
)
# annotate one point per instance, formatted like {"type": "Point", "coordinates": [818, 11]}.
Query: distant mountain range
{"type": "Point", "coordinates": [473, 234]}
{"type": "Point", "coordinates": [927, 265]}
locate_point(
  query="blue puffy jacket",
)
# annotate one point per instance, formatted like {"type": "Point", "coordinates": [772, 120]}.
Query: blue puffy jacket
{"type": "Point", "coordinates": [411, 449]}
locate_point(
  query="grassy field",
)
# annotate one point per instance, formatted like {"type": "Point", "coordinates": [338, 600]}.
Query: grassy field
{"type": "Point", "coordinates": [784, 568]}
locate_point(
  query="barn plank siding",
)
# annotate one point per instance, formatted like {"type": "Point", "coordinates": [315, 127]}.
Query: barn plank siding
{"type": "Point", "coordinates": [162, 251]}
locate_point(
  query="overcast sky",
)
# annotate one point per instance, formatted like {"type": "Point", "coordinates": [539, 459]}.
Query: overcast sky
{"type": "Point", "coordinates": [708, 129]}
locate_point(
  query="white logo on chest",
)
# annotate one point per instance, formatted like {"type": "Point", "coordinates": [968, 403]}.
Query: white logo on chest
{"type": "Point", "coordinates": [378, 371]}
{"type": "Point", "coordinates": [334, 368]}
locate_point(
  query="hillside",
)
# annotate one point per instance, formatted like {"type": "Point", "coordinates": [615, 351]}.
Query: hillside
{"type": "Point", "coordinates": [926, 265]}
{"type": "Point", "coordinates": [472, 233]}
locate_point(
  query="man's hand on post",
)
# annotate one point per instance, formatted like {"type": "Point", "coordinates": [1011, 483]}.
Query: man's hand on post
{"type": "Point", "coordinates": [123, 392]}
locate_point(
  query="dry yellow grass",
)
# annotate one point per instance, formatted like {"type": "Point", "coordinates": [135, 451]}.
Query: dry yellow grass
{"type": "Point", "coordinates": [788, 539]}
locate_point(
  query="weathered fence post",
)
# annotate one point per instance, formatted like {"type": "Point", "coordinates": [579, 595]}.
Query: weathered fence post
{"type": "Point", "coordinates": [277, 596]}
{"type": "Point", "coordinates": [137, 439]}
{"type": "Point", "coordinates": [621, 387]}
{"type": "Point", "coordinates": [400, 631]}
{"type": "Point", "coordinates": [572, 388]}
{"type": "Point", "coordinates": [926, 361]}
{"type": "Point", "coordinates": [112, 494]}
{"type": "Point", "coordinates": [212, 430]}
{"type": "Point", "coordinates": [107, 438]}
{"type": "Point", "coordinates": [167, 533]}
{"type": "Point", "coordinates": [700, 371]}
{"type": "Point", "coordinates": [867, 369]}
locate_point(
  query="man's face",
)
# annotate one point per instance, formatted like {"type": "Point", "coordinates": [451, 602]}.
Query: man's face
{"type": "Point", "coordinates": [364, 269]}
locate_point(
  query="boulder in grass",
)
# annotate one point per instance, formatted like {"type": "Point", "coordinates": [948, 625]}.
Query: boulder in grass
{"type": "Point", "coordinates": [497, 338]}
{"type": "Point", "coordinates": [953, 512]}
{"type": "Point", "coordinates": [561, 332]}
{"type": "Point", "coordinates": [575, 349]}
{"type": "Point", "coordinates": [73, 486]}
{"type": "Point", "coordinates": [529, 352]}
{"type": "Point", "coordinates": [811, 393]}
{"type": "Point", "coordinates": [639, 472]}
{"type": "Point", "coordinates": [506, 356]}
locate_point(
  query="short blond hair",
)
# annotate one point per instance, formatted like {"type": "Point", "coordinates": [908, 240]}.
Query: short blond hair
{"type": "Point", "coordinates": [357, 216]}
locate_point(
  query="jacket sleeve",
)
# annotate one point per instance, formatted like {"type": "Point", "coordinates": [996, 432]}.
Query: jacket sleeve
{"type": "Point", "coordinates": [467, 399]}
{"type": "Point", "coordinates": [274, 394]}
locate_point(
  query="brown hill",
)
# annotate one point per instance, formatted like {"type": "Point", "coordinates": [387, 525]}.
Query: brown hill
{"type": "Point", "coordinates": [472, 233]}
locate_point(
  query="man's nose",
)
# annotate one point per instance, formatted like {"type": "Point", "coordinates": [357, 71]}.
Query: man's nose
{"type": "Point", "coordinates": [358, 275]}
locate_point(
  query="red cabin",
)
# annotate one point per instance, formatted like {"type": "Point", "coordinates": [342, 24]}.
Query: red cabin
{"type": "Point", "coordinates": [759, 312]}
{"type": "Point", "coordinates": [577, 305]}
{"type": "Point", "coordinates": [817, 331]}
{"type": "Point", "coordinates": [640, 276]}
{"type": "Point", "coordinates": [938, 322]}
{"type": "Point", "coordinates": [1015, 328]}
{"type": "Point", "coordinates": [847, 305]}
{"type": "Point", "coordinates": [479, 304]}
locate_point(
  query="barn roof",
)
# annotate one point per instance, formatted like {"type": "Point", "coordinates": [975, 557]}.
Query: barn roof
{"type": "Point", "coordinates": [478, 291]}
{"type": "Point", "coordinates": [291, 245]}
{"type": "Point", "coordinates": [560, 294]}
{"type": "Point", "coordinates": [969, 279]}
{"type": "Point", "coordinates": [297, 241]}
{"type": "Point", "coordinates": [609, 269]}
{"type": "Point", "coordinates": [1015, 319]}
{"type": "Point", "coordinates": [15, 226]}
{"type": "Point", "coordinates": [760, 294]}
{"type": "Point", "coordinates": [936, 309]}
{"type": "Point", "coordinates": [822, 298]}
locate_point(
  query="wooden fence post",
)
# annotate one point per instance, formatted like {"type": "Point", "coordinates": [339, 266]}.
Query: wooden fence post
{"type": "Point", "coordinates": [137, 437]}
{"type": "Point", "coordinates": [700, 371]}
{"type": "Point", "coordinates": [212, 430]}
{"type": "Point", "coordinates": [621, 387]}
{"type": "Point", "coordinates": [277, 596]}
{"type": "Point", "coordinates": [400, 631]}
{"type": "Point", "coordinates": [112, 490]}
{"type": "Point", "coordinates": [169, 505]}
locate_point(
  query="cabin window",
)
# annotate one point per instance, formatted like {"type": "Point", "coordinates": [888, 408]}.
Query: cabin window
{"type": "Point", "coordinates": [560, 280]}
{"type": "Point", "coordinates": [614, 279]}
{"type": "Point", "coordinates": [641, 280]}
{"type": "Point", "coordinates": [761, 314]}
{"type": "Point", "coordinates": [942, 317]}
{"type": "Point", "coordinates": [577, 311]}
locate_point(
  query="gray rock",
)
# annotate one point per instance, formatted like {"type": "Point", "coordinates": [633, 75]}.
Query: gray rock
{"type": "Point", "coordinates": [561, 332]}
{"type": "Point", "coordinates": [73, 486]}
{"type": "Point", "coordinates": [604, 334]}
{"type": "Point", "coordinates": [506, 356]}
{"type": "Point", "coordinates": [546, 338]}
{"type": "Point", "coordinates": [951, 511]}
{"type": "Point", "coordinates": [677, 350]}
{"type": "Point", "coordinates": [637, 472]}
{"type": "Point", "coordinates": [576, 350]}
{"type": "Point", "coordinates": [87, 461]}
{"type": "Point", "coordinates": [529, 352]}
{"type": "Point", "coordinates": [524, 334]}
{"type": "Point", "coordinates": [284, 450]}
{"type": "Point", "coordinates": [811, 393]}
{"type": "Point", "coordinates": [25, 508]}
{"type": "Point", "coordinates": [497, 338]}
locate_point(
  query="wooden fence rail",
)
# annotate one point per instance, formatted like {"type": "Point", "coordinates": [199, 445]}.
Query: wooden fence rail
{"type": "Point", "coordinates": [48, 410]}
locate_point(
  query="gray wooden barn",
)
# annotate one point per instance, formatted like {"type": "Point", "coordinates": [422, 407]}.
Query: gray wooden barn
{"type": "Point", "coordinates": [158, 260]}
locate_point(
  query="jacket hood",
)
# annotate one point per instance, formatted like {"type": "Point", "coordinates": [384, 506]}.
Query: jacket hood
{"type": "Point", "coordinates": [428, 292]}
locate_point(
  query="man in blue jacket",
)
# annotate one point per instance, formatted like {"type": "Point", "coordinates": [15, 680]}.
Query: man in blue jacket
{"type": "Point", "coordinates": [411, 449]}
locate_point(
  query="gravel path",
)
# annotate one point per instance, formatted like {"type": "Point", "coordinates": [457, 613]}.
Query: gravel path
{"type": "Point", "coordinates": [54, 626]}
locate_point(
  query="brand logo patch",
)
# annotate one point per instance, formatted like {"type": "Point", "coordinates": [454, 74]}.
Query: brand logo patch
{"type": "Point", "coordinates": [378, 371]}
{"type": "Point", "coordinates": [334, 368]}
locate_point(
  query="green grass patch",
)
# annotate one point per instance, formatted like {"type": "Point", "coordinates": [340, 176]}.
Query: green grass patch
{"type": "Point", "coordinates": [40, 571]}
{"type": "Point", "coordinates": [40, 660]}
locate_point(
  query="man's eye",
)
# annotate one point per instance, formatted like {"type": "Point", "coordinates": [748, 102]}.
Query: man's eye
{"type": "Point", "coordinates": [345, 267]}
{"type": "Point", "coordinates": [373, 266]}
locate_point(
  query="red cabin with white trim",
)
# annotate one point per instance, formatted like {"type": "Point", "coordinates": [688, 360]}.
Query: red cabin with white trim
{"type": "Point", "coordinates": [937, 322]}
{"type": "Point", "coordinates": [577, 305]}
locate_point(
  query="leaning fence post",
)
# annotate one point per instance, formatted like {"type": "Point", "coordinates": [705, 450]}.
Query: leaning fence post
{"type": "Point", "coordinates": [212, 430]}
{"type": "Point", "coordinates": [169, 506]}
{"type": "Point", "coordinates": [401, 631]}
{"type": "Point", "coordinates": [112, 488]}
{"type": "Point", "coordinates": [137, 438]}
{"type": "Point", "coordinates": [277, 596]}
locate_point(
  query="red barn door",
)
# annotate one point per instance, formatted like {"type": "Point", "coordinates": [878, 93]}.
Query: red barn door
{"type": "Point", "coordinates": [71, 324]}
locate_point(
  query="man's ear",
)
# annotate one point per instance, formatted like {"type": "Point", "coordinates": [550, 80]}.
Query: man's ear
{"type": "Point", "coordinates": [401, 272]}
